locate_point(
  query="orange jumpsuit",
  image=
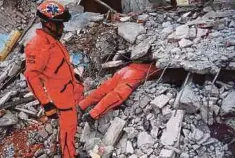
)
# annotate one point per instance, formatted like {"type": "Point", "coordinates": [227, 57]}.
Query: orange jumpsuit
{"type": "Point", "coordinates": [117, 89]}
{"type": "Point", "coordinates": [51, 78]}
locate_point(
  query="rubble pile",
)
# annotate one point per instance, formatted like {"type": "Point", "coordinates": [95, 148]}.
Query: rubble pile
{"type": "Point", "coordinates": [147, 125]}
{"type": "Point", "coordinates": [198, 41]}
{"type": "Point", "coordinates": [15, 14]}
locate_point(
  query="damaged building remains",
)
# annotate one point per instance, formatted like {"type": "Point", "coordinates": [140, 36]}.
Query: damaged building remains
{"type": "Point", "coordinates": [187, 111]}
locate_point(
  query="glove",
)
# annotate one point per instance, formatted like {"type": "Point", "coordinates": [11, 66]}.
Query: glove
{"type": "Point", "coordinates": [50, 110]}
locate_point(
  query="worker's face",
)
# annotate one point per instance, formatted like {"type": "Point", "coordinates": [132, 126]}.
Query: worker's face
{"type": "Point", "coordinates": [56, 28]}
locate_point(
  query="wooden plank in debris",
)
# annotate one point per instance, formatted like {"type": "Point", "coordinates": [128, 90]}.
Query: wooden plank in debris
{"type": "Point", "coordinates": [114, 131]}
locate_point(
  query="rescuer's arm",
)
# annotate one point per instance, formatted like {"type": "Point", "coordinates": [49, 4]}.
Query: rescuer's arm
{"type": "Point", "coordinates": [35, 64]}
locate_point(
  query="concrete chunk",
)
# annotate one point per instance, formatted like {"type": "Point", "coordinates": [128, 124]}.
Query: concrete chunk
{"type": "Point", "coordinates": [6, 97]}
{"type": "Point", "coordinates": [85, 133]}
{"type": "Point", "coordinates": [228, 104]}
{"type": "Point", "coordinates": [145, 139]}
{"type": "Point", "coordinates": [129, 148]}
{"type": "Point", "coordinates": [202, 32]}
{"type": "Point", "coordinates": [142, 48]}
{"type": "Point", "coordinates": [189, 101]}
{"type": "Point", "coordinates": [3, 76]}
{"type": "Point", "coordinates": [129, 31]}
{"type": "Point", "coordinates": [68, 37]}
{"type": "Point", "coordinates": [160, 101]}
{"type": "Point", "coordinates": [185, 43]}
{"type": "Point", "coordinates": [8, 119]}
{"type": "Point", "coordinates": [144, 101]}
{"type": "Point", "coordinates": [91, 143]}
{"type": "Point", "coordinates": [14, 69]}
{"type": "Point", "coordinates": [182, 31]}
{"type": "Point", "coordinates": [165, 153]}
{"type": "Point", "coordinates": [114, 131]}
{"type": "Point", "coordinates": [172, 133]}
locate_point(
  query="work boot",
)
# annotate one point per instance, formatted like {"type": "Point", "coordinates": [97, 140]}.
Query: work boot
{"type": "Point", "coordinates": [82, 155]}
{"type": "Point", "coordinates": [87, 118]}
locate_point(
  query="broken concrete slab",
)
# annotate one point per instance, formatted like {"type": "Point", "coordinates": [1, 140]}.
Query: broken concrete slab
{"type": "Point", "coordinates": [8, 119]}
{"type": "Point", "coordinates": [68, 36]}
{"type": "Point", "coordinates": [168, 30]}
{"type": "Point", "coordinates": [189, 101]}
{"type": "Point", "coordinates": [228, 103]}
{"type": "Point", "coordinates": [129, 148]}
{"type": "Point", "coordinates": [3, 76]}
{"type": "Point", "coordinates": [144, 139]}
{"type": "Point", "coordinates": [172, 133]}
{"type": "Point", "coordinates": [6, 97]}
{"type": "Point", "coordinates": [155, 128]}
{"type": "Point", "coordinates": [129, 31]}
{"type": "Point", "coordinates": [219, 14]}
{"type": "Point", "coordinates": [14, 69]}
{"type": "Point", "coordinates": [192, 33]}
{"type": "Point", "coordinates": [204, 22]}
{"type": "Point", "coordinates": [182, 31]}
{"type": "Point", "coordinates": [23, 116]}
{"type": "Point", "coordinates": [91, 143]}
{"type": "Point", "coordinates": [114, 131]}
{"type": "Point", "coordinates": [43, 133]}
{"type": "Point", "coordinates": [133, 156]}
{"type": "Point", "coordinates": [197, 134]}
{"type": "Point", "coordinates": [144, 101]}
{"type": "Point", "coordinates": [131, 132]}
{"type": "Point", "coordinates": [160, 101]}
{"type": "Point", "coordinates": [165, 153]}
{"type": "Point", "coordinates": [113, 64]}
{"type": "Point", "coordinates": [122, 143]}
{"type": "Point", "coordinates": [107, 151]}
{"type": "Point", "coordinates": [202, 32]}
{"type": "Point", "coordinates": [125, 19]}
{"type": "Point", "coordinates": [183, 43]}
{"type": "Point", "coordinates": [142, 48]}
{"type": "Point", "coordinates": [86, 132]}
{"type": "Point", "coordinates": [143, 17]}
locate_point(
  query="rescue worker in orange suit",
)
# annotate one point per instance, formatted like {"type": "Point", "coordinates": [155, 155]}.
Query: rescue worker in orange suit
{"type": "Point", "coordinates": [50, 75]}
{"type": "Point", "coordinates": [116, 90]}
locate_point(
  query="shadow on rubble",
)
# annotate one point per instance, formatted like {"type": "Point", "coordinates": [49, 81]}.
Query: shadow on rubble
{"type": "Point", "coordinates": [224, 134]}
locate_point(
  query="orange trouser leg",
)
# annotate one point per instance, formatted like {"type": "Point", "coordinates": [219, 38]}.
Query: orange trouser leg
{"type": "Point", "coordinates": [100, 92]}
{"type": "Point", "coordinates": [112, 100]}
{"type": "Point", "coordinates": [68, 126]}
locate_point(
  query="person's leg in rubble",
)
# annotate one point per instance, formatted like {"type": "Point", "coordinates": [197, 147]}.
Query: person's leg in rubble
{"type": "Point", "coordinates": [102, 90]}
{"type": "Point", "coordinates": [68, 125]}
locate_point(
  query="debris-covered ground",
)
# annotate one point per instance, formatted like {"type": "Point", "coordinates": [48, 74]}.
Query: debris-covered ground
{"type": "Point", "coordinates": [185, 119]}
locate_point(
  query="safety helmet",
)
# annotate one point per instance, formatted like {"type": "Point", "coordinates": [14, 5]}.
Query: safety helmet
{"type": "Point", "coordinates": [53, 11]}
